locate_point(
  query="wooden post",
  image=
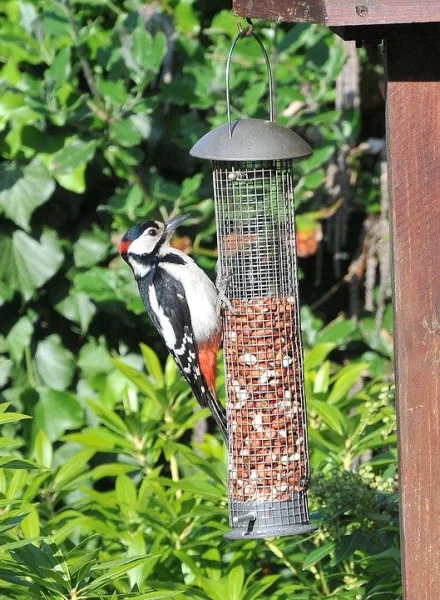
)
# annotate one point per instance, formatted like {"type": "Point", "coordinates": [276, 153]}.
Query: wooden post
{"type": "Point", "coordinates": [413, 132]}
{"type": "Point", "coordinates": [411, 29]}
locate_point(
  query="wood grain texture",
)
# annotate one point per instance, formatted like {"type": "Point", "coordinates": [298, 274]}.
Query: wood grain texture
{"type": "Point", "coordinates": [341, 12]}
{"type": "Point", "coordinates": [311, 11]}
{"type": "Point", "coordinates": [413, 132]}
{"type": "Point", "coordinates": [381, 12]}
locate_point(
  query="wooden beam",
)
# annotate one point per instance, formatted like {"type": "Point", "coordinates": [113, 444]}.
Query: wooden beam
{"type": "Point", "coordinates": [282, 10]}
{"type": "Point", "coordinates": [381, 12]}
{"type": "Point", "coordinates": [341, 12]}
{"type": "Point", "coordinates": [413, 133]}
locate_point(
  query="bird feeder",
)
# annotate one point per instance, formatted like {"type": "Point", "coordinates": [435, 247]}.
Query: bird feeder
{"type": "Point", "coordinates": [268, 464]}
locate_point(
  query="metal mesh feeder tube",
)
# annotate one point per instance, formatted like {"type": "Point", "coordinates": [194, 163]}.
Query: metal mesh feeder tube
{"type": "Point", "coordinates": [268, 463]}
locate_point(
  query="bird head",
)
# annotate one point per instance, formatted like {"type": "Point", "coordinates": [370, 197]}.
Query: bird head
{"type": "Point", "coordinates": [145, 240]}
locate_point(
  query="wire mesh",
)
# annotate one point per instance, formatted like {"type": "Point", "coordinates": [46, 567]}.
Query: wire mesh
{"type": "Point", "coordinates": [268, 466]}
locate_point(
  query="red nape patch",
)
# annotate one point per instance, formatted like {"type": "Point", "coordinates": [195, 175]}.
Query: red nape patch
{"type": "Point", "coordinates": [123, 247]}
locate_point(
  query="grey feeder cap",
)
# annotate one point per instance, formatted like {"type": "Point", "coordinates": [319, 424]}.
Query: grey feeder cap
{"type": "Point", "coordinates": [252, 139]}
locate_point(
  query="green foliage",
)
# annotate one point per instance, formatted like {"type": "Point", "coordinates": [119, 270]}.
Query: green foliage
{"type": "Point", "coordinates": [105, 491]}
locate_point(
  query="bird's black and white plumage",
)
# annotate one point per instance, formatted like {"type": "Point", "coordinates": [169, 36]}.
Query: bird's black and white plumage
{"type": "Point", "coordinates": [181, 301]}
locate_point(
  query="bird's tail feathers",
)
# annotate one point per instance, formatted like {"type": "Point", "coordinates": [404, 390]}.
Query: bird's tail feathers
{"type": "Point", "coordinates": [208, 399]}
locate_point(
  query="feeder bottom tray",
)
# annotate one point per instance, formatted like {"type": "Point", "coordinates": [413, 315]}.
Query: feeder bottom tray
{"type": "Point", "coordinates": [253, 520]}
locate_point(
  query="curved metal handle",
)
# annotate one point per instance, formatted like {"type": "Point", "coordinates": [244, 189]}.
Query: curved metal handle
{"type": "Point", "coordinates": [269, 75]}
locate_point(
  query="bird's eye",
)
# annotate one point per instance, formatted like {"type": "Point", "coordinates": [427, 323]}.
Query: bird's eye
{"type": "Point", "coordinates": [152, 232]}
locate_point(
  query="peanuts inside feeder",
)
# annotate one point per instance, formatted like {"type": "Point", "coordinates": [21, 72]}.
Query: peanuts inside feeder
{"type": "Point", "coordinates": [268, 465]}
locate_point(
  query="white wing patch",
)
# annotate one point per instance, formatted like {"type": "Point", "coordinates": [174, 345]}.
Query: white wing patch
{"type": "Point", "coordinates": [166, 327]}
{"type": "Point", "coordinates": [201, 296]}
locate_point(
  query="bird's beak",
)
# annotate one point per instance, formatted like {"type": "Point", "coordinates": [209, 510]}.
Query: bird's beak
{"type": "Point", "coordinates": [173, 224]}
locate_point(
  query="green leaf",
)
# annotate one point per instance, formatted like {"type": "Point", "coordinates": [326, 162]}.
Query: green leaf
{"type": "Point", "coordinates": [141, 43]}
{"type": "Point", "coordinates": [211, 558]}
{"type": "Point", "coordinates": [115, 570]}
{"type": "Point", "coordinates": [59, 71]}
{"type": "Point", "coordinates": [73, 181]}
{"type": "Point", "coordinates": [157, 595]}
{"type": "Point", "coordinates": [56, 412]}
{"type": "Point", "coordinates": [25, 264]}
{"type": "Point", "coordinates": [318, 554]}
{"type": "Point", "coordinates": [30, 525]}
{"type": "Point", "coordinates": [215, 589]}
{"type": "Point", "coordinates": [43, 452]}
{"type": "Point", "coordinates": [19, 338]}
{"type": "Point", "coordinates": [12, 462]}
{"type": "Point", "coordinates": [331, 415]}
{"type": "Point", "coordinates": [345, 380]}
{"type": "Point", "coordinates": [126, 493]}
{"type": "Point", "coordinates": [54, 363]}
{"type": "Point", "coordinates": [319, 157]}
{"type": "Point", "coordinates": [99, 283]}
{"type": "Point", "coordinates": [113, 91]}
{"type": "Point", "coordinates": [187, 560]}
{"type": "Point", "coordinates": [337, 332]}
{"type": "Point", "coordinates": [153, 364]}
{"type": "Point", "coordinates": [125, 132]}
{"type": "Point", "coordinates": [255, 591]}
{"type": "Point", "coordinates": [90, 249]}
{"type": "Point", "coordinates": [111, 419]}
{"type": "Point", "coordinates": [12, 417]}
{"type": "Point", "coordinates": [140, 380]}
{"type": "Point", "coordinates": [78, 308]}
{"type": "Point", "coordinates": [75, 154]}
{"type": "Point", "coordinates": [24, 189]}
{"type": "Point", "coordinates": [235, 583]}
{"type": "Point", "coordinates": [321, 382]}
{"type": "Point", "coordinates": [195, 485]}
{"type": "Point", "coordinates": [72, 468]}
{"type": "Point", "coordinates": [99, 438]}
{"type": "Point", "coordinates": [346, 547]}
{"type": "Point", "coordinates": [5, 370]}
{"type": "Point", "coordinates": [317, 355]}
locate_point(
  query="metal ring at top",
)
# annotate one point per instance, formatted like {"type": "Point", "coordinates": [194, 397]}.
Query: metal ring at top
{"type": "Point", "coordinates": [269, 75]}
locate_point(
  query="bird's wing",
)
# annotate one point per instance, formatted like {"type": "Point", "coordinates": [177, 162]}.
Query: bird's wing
{"type": "Point", "coordinates": [168, 309]}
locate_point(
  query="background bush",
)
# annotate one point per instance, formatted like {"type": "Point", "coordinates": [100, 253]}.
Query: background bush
{"type": "Point", "coordinates": [110, 489]}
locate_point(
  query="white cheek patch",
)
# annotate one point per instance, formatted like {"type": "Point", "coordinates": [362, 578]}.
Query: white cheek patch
{"type": "Point", "coordinates": [144, 244]}
{"type": "Point", "coordinates": [166, 328]}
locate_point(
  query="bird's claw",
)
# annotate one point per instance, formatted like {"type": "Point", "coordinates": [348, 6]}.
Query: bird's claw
{"type": "Point", "coordinates": [222, 284]}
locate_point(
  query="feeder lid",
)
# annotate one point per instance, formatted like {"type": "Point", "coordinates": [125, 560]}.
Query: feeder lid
{"type": "Point", "coordinates": [252, 139]}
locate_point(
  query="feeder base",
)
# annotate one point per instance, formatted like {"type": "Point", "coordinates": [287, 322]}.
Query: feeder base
{"type": "Point", "coordinates": [242, 534]}
{"type": "Point", "coordinates": [256, 520]}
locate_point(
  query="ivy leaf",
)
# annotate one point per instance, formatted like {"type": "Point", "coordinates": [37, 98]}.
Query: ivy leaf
{"type": "Point", "coordinates": [74, 181]}
{"type": "Point", "coordinates": [99, 283]}
{"type": "Point", "coordinates": [19, 338]}
{"type": "Point", "coordinates": [78, 308]}
{"type": "Point", "coordinates": [56, 412]}
{"type": "Point", "coordinates": [25, 264]}
{"type": "Point", "coordinates": [23, 190]}
{"type": "Point", "coordinates": [75, 154]}
{"type": "Point", "coordinates": [54, 363]}
{"type": "Point", "coordinates": [90, 249]}
{"type": "Point", "coordinates": [5, 370]}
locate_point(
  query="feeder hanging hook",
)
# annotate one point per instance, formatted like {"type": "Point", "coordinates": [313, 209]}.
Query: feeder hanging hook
{"type": "Point", "coordinates": [248, 32]}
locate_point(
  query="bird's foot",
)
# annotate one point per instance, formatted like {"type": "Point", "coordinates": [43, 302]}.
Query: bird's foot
{"type": "Point", "coordinates": [222, 284]}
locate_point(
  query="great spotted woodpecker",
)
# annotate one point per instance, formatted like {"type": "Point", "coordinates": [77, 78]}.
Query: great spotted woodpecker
{"type": "Point", "coordinates": [182, 302]}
